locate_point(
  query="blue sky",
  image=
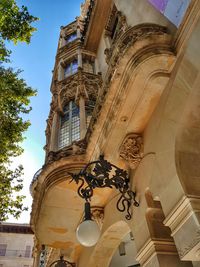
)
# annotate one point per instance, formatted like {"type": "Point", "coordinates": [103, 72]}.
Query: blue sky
{"type": "Point", "coordinates": [37, 62]}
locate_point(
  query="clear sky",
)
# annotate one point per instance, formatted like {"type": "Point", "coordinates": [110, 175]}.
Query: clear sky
{"type": "Point", "coordinates": [37, 61]}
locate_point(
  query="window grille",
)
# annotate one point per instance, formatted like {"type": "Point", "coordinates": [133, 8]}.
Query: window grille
{"type": "Point", "coordinates": [69, 125]}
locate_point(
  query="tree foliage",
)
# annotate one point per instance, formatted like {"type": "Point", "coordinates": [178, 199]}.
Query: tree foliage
{"type": "Point", "coordinates": [15, 26]}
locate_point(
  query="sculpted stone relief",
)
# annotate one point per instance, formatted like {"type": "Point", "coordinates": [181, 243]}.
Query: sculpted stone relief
{"type": "Point", "coordinates": [131, 149]}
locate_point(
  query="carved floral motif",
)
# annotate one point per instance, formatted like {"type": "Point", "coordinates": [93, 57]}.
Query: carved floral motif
{"type": "Point", "coordinates": [132, 149]}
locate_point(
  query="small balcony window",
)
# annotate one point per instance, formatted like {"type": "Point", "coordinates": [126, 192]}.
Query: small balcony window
{"type": "Point", "coordinates": [71, 68]}
{"type": "Point", "coordinates": [71, 37]}
{"type": "Point", "coordinates": [69, 125]}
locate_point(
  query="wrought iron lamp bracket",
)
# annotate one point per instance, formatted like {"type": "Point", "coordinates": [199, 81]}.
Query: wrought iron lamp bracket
{"type": "Point", "coordinates": [102, 174]}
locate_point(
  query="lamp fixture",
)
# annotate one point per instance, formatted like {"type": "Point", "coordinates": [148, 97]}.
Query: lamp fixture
{"type": "Point", "coordinates": [62, 263]}
{"type": "Point", "coordinates": [88, 231]}
{"type": "Point", "coordinates": [102, 174]}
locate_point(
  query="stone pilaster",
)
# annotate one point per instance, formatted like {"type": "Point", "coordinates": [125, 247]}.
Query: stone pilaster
{"type": "Point", "coordinates": [184, 222]}
{"type": "Point", "coordinates": [54, 132]}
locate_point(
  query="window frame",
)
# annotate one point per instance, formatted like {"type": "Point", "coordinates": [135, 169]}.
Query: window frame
{"type": "Point", "coordinates": [71, 69]}
{"type": "Point", "coordinates": [72, 129]}
{"type": "Point", "coordinates": [71, 37]}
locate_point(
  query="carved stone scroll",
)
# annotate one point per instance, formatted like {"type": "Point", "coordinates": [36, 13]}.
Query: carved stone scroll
{"type": "Point", "coordinates": [131, 149]}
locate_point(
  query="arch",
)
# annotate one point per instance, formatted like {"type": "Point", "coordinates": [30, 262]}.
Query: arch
{"type": "Point", "coordinates": [108, 243]}
{"type": "Point", "coordinates": [188, 144]}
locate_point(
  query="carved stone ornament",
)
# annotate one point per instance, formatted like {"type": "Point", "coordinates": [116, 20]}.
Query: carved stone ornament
{"type": "Point", "coordinates": [131, 149]}
{"type": "Point", "coordinates": [98, 215]}
{"type": "Point", "coordinates": [76, 148]}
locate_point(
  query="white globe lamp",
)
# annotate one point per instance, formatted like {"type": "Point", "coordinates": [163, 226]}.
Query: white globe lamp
{"type": "Point", "coordinates": [88, 231]}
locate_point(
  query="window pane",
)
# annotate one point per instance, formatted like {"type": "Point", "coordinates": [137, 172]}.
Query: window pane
{"type": "Point", "coordinates": [28, 252]}
{"type": "Point", "coordinates": [3, 249]}
{"type": "Point", "coordinates": [74, 66]}
{"type": "Point", "coordinates": [70, 125]}
{"type": "Point", "coordinates": [67, 70]}
{"type": "Point", "coordinates": [71, 37]}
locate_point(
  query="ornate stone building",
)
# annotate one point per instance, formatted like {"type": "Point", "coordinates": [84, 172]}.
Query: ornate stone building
{"type": "Point", "coordinates": [126, 85]}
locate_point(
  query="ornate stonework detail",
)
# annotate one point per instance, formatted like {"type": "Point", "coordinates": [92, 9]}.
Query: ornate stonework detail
{"type": "Point", "coordinates": [76, 148]}
{"type": "Point", "coordinates": [81, 83]}
{"type": "Point", "coordinates": [98, 215]}
{"type": "Point", "coordinates": [116, 25]}
{"type": "Point", "coordinates": [131, 149]}
{"type": "Point", "coordinates": [116, 52]}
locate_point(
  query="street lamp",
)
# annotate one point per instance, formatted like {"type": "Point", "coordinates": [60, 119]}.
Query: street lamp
{"type": "Point", "coordinates": [101, 174]}
{"type": "Point", "coordinates": [62, 263]}
{"type": "Point", "coordinates": [88, 231]}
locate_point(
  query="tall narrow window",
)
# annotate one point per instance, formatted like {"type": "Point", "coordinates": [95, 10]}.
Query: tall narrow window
{"type": "Point", "coordinates": [71, 68]}
{"type": "Point", "coordinates": [69, 125]}
{"type": "Point", "coordinates": [3, 249]}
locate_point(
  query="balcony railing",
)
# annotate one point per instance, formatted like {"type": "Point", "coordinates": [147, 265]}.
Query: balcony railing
{"type": "Point", "coordinates": [16, 253]}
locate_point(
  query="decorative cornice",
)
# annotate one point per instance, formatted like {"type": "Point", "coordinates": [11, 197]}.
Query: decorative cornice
{"type": "Point", "coordinates": [155, 247]}
{"type": "Point", "coordinates": [181, 213]}
{"type": "Point", "coordinates": [15, 228]}
{"type": "Point", "coordinates": [131, 149]}
{"type": "Point", "coordinates": [76, 148]}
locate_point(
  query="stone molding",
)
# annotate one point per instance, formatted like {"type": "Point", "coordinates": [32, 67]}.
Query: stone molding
{"type": "Point", "coordinates": [76, 148]}
{"type": "Point", "coordinates": [153, 247]}
{"type": "Point", "coordinates": [181, 213]}
{"type": "Point", "coordinates": [182, 219]}
{"type": "Point", "coordinates": [131, 149]}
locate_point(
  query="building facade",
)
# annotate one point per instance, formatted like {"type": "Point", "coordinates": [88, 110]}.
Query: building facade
{"type": "Point", "coordinates": [125, 85]}
{"type": "Point", "coordinates": [16, 245]}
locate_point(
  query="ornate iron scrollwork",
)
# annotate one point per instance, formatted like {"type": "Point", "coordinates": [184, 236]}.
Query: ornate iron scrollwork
{"type": "Point", "coordinates": [101, 174]}
{"type": "Point", "coordinates": [62, 263]}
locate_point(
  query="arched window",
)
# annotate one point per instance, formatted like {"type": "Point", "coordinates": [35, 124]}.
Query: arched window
{"type": "Point", "coordinates": [69, 125]}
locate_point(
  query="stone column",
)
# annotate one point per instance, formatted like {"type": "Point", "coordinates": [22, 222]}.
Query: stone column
{"type": "Point", "coordinates": [159, 250]}
{"type": "Point", "coordinates": [54, 132]}
{"type": "Point", "coordinates": [80, 63]}
{"type": "Point", "coordinates": [107, 40]}
{"type": "Point", "coordinates": [78, 32]}
{"type": "Point", "coordinates": [83, 126]}
{"type": "Point", "coordinates": [60, 72]}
